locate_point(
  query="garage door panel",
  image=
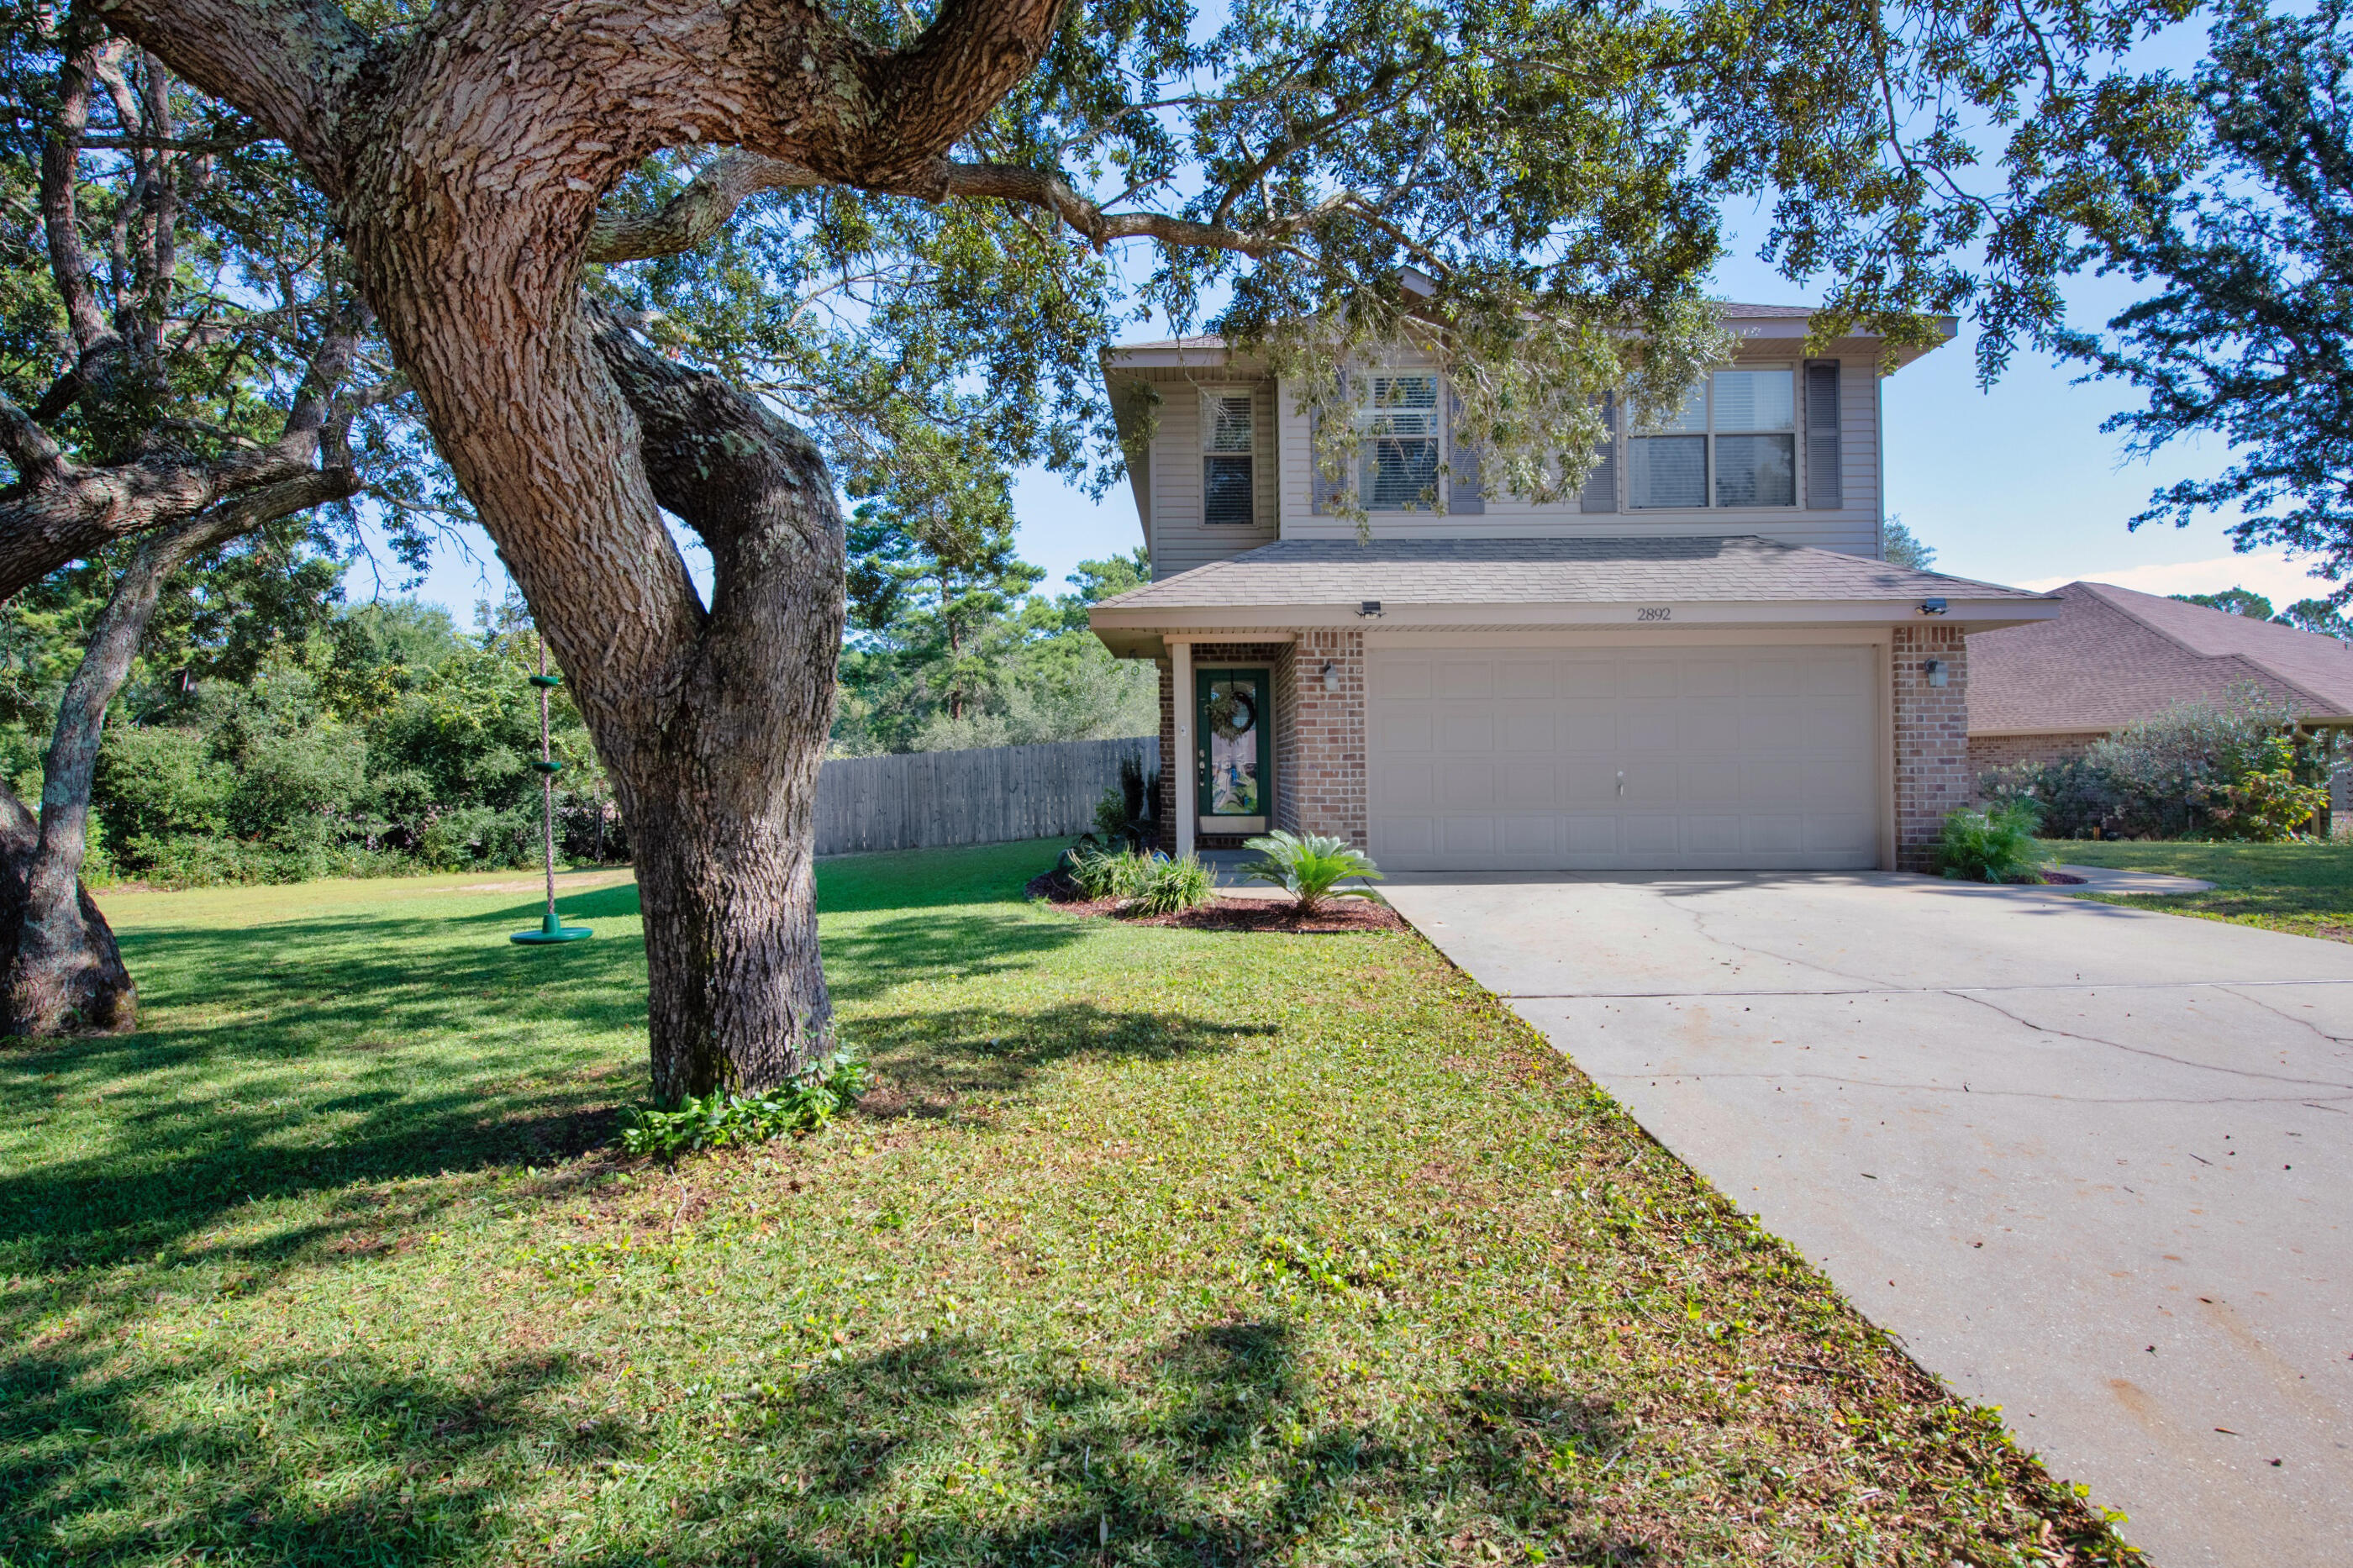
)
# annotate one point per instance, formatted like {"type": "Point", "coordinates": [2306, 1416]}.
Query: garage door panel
{"type": "Point", "coordinates": [1526, 726]}
{"type": "Point", "coordinates": [1463, 730]}
{"type": "Point", "coordinates": [1649, 678]}
{"type": "Point", "coordinates": [1648, 728]}
{"type": "Point", "coordinates": [1403, 840]}
{"type": "Point", "coordinates": [1471, 837]}
{"type": "Point", "coordinates": [1587, 679]}
{"type": "Point", "coordinates": [1729, 758]}
{"type": "Point", "coordinates": [1529, 786]}
{"type": "Point", "coordinates": [1401, 676]}
{"type": "Point", "coordinates": [1399, 730]}
{"type": "Point", "coordinates": [1408, 787]}
{"type": "Point", "coordinates": [1652, 781]}
{"type": "Point", "coordinates": [1522, 679]}
{"type": "Point", "coordinates": [1466, 680]}
{"type": "Point", "coordinates": [1525, 838]}
{"type": "Point", "coordinates": [1466, 787]}
{"type": "Point", "coordinates": [1712, 835]}
{"type": "Point", "coordinates": [1585, 782]}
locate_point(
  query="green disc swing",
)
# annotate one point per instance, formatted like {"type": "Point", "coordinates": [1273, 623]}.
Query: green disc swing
{"type": "Point", "coordinates": [549, 930]}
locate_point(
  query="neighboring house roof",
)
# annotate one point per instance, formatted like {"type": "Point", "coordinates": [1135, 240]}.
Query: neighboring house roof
{"type": "Point", "coordinates": [2113, 656]}
{"type": "Point", "coordinates": [1648, 569]}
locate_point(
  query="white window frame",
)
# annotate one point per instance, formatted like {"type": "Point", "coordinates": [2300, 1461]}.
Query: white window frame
{"type": "Point", "coordinates": [1366, 413]}
{"type": "Point", "coordinates": [1708, 432]}
{"type": "Point", "coordinates": [1212, 397]}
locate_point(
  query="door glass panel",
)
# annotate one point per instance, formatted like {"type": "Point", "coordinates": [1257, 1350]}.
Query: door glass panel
{"type": "Point", "coordinates": [1231, 714]}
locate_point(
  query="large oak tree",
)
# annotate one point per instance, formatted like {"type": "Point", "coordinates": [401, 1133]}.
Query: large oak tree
{"type": "Point", "coordinates": [1551, 167]}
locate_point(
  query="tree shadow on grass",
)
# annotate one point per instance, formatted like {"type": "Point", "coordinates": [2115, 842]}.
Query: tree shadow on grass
{"type": "Point", "coordinates": [927, 1059]}
{"type": "Point", "coordinates": [1208, 1450]}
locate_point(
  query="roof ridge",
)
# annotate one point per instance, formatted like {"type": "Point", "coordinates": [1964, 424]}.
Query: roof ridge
{"type": "Point", "coordinates": [2260, 666]}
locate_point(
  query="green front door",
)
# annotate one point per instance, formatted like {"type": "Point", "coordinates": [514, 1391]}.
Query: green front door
{"type": "Point", "coordinates": [1236, 773]}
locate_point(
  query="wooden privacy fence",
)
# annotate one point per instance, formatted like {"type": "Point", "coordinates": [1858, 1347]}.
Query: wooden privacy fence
{"type": "Point", "coordinates": [926, 800]}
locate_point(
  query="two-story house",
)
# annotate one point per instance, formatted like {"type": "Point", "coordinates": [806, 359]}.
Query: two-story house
{"type": "Point", "coordinates": [1699, 662]}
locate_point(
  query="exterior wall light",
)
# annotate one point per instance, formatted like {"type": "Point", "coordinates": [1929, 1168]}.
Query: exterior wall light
{"type": "Point", "coordinates": [1369, 610]}
{"type": "Point", "coordinates": [1931, 606]}
{"type": "Point", "coordinates": [1330, 678]}
{"type": "Point", "coordinates": [1939, 672]}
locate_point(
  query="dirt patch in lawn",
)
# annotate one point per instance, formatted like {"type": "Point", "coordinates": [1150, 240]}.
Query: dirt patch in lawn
{"type": "Point", "coordinates": [1226, 914]}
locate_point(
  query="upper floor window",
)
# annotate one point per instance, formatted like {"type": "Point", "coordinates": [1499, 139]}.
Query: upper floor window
{"type": "Point", "coordinates": [1397, 426]}
{"type": "Point", "coordinates": [1734, 444]}
{"type": "Point", "coordinates": [1228, 440]}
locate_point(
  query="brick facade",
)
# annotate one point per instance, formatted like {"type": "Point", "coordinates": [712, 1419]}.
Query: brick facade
{"type": "Point", "coordinates": [1321, 735]}
{"type": "Point", "coordinates": [1933, 772]}
{"type": "Point", "coordinates": [1989, 752]}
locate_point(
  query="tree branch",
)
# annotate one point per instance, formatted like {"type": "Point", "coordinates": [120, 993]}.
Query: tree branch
{"type": "Point", "coordinates": [287, 63]}
{"type": "Point", "coordinates": [707, 205]}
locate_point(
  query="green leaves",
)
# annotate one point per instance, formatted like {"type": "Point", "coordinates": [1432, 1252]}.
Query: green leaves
{"type": "Point", "coordinates": [1310, 867]}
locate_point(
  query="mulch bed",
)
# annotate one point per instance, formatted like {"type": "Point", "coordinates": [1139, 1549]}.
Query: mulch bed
{"type": "Point", "coordinates": [1226, 914]}
{"type": "Point", "coordinates": [2057, 880]}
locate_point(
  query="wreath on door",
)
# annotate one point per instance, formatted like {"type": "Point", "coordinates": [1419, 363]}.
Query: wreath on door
{"type": "Point", "coordinates": [1232, 712]}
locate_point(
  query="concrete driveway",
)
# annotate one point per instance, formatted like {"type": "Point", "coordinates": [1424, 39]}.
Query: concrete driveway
{"type": "Point", "coordinates": [2093, 1166]}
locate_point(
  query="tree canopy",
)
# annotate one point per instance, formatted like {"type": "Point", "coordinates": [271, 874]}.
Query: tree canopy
{"type": "Point", "coordinates": [2248, 332]}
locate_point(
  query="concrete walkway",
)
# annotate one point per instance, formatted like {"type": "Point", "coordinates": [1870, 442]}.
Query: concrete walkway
{"type": "Point", "coordinates": [2092, 1165]}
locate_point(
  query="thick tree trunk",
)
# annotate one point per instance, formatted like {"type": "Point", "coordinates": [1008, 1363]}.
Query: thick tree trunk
{"type": "Point", "coordinates": [75, 980]}
{"type": "Point", "coordinates": [59, 967]}
{"type": "Point", "coordinates": [721, 797]}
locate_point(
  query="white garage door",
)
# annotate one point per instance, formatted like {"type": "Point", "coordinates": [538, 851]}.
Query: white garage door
{"type": "Point", "coordinates": [1622, 758]}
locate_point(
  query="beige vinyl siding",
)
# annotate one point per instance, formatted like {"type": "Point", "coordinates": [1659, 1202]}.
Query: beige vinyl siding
{"type": "Point", "coordinates": [1179, 540]}
{"type": "Point", "coordinates": [1851, 529]}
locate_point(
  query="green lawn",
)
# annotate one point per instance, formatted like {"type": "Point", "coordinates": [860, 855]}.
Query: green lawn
{"type": "Point", "coordinates": [1154, 1247]}
{"type": "Point", "coordinates": [2307, 889]}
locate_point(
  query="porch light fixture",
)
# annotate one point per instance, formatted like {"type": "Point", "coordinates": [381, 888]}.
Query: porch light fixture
{"type": "Point", "coordinates": [1331, 673]}
{"type": "Point", "coordinates": [1369, 610]}
{"type": "Point", "coordinates": [1937, 672]}
{"type": "Point", "coordinates": [1931, 606]}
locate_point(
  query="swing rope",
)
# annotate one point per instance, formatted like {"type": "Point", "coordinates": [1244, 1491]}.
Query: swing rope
{"type": "Point", "coordinates": [551, 928]}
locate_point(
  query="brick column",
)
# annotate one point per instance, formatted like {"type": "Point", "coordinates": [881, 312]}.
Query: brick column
{"type": "Point", "coordinates": [1932, 738]}
{"type": "Point", "coordinates": [1326, 732]}
{"type": "Point", "coordinates": [1163, 798]}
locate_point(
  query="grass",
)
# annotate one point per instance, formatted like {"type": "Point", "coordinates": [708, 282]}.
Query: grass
{"type": "Point", "coordinates": [1155, 1247]}
{"type": "Point", "coordinates": [2303, 888]}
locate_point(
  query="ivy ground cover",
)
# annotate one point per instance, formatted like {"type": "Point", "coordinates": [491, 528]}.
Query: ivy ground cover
{"type": "Point", "coordinates": [1151, 1247]}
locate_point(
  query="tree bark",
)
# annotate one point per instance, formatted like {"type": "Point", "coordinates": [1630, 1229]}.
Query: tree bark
{"type": "Point", "coordinates": [721, 802]}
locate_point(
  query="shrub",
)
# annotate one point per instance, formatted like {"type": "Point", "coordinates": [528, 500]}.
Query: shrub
{"type": "Point", "coordinates": [1125, 815]}
{"type": "Point", "coordinates": [1103, 873]}
{"type": "Point", "coordinates": [723, 1120]}
{"type": "Point", "coordinates": [2221, 769]}
{"type": "Point", "coordinates": [2267, 803]}
{"type": "Point", "coordinates": [1310, 867]}
{"type": "Point", "coordinates": [1994, 845]}
{"type": "Point", "coordinates": [1164, 886]}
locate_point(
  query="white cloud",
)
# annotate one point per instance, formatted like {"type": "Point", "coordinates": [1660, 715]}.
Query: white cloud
{"type": "Point", "coordinates": [2267, 572]}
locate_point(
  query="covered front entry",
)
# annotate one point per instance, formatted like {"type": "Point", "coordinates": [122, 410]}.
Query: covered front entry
{"type": "Point", "coordinates": [1624, 758]}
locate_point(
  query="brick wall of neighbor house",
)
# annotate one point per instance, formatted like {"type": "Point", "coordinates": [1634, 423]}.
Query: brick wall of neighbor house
{"type": "Point", "coordinates": [1325, 733]}
{"type": "Point", "coordinates": [1991, 752]}
{"type": "Point", "coordinates": [1932, 774]}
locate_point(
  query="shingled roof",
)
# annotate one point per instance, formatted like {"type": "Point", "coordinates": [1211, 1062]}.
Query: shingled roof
{"type": "Point", "coordinates": [1645, 569]}
{"type": "Point", "coordinates": [2113, 656]}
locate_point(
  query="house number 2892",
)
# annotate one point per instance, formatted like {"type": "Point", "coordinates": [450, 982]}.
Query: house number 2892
{"type": "Point", "coordinates": [1654, 612]}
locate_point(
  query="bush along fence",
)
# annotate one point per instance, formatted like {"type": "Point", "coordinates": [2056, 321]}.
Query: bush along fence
{"type": "Point", "coordinates": [929, 800]}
